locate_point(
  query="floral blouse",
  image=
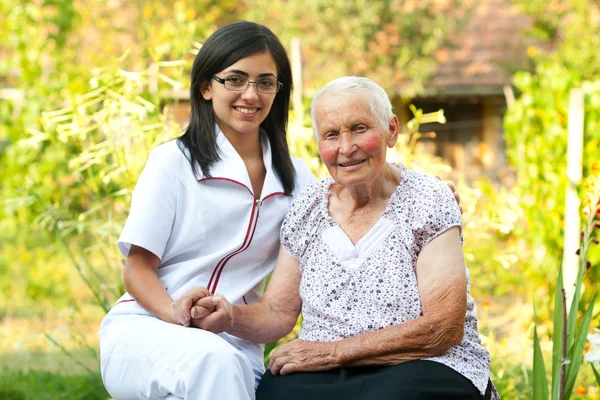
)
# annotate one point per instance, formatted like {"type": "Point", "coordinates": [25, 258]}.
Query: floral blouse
{"type": "Point", "coordinates": [349, 290]}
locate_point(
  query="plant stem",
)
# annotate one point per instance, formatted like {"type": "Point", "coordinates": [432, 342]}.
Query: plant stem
{"type": "Point", "coordinates": [563, 361]}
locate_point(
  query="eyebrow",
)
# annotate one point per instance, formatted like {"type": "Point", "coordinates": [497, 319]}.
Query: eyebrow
{"type": "Point", "coordinates": [240, 72]}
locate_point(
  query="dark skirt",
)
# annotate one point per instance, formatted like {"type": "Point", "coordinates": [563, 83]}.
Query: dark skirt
{"type": "Point", "coordinates": [413, 380]}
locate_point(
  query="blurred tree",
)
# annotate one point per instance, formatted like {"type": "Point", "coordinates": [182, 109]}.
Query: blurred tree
{"type": "Point", "coordinates": [48, 49]}
{"type": "Point", "coordinates": [536, 125]}
{"type": "Point", "coordinates": [390, 41]}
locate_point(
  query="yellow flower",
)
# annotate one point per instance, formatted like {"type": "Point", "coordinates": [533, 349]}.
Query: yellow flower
{"type": "Point", "coordinates": [596, 167]}
{"type": "Point", "coordinates": [581, 390]}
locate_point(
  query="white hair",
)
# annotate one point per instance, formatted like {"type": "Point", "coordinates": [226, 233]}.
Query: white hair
{"type": "Point", "coordinates": [378, 100]}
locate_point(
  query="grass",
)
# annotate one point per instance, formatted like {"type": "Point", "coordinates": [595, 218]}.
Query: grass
{"type": "Point", "coordinates": [43, 385]}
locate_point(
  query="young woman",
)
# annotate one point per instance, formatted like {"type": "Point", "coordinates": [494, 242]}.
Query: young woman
{"type": "Point", "coordinates": [206, 211]}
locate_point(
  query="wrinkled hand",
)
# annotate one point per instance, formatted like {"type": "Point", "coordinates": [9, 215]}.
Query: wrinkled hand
{"type": "Point", "coordinates": [219, 320]}
{"type": "Point", "coordinates": [456, 195]}
{"type": "Point", "coordinates": [303, 356]}
{"type": "Point", "coordinates": [181, 309]}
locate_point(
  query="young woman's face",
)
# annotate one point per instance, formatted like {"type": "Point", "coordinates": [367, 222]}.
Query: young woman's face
{"type": "Point", "coordinates": [241, 113]}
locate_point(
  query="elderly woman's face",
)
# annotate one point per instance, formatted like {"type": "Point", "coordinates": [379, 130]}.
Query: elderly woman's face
{"type": "Point", "coordinates": [352, 142]}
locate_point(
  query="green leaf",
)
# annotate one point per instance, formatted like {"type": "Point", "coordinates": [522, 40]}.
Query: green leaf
{"type": "Point", "coordinates": [596, 373]}
{"type": "Point", "coordinates": [557, 335]}
{"type": "Point", "coordinates": [540, 382]}
{"type": "Point", "coordinates": [576, 351]}
{"type": "Point", "coordinates": [572, 320]}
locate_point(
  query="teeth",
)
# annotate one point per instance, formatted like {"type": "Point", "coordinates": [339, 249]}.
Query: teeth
{"type": "Point", "coordinates": [352, 163]}
{"type": "Point", "coordinates": [248, 111]}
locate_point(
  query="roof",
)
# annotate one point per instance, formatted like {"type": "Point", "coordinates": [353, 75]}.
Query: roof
{"type": "Point", "coordinates": [484, 55]}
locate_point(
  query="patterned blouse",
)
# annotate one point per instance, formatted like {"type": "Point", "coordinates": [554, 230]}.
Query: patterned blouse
{"type": "Point", "coordinates": [349, 290]}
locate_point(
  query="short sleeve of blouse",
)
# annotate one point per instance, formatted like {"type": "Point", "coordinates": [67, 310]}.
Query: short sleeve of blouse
{"type": "Point", "coordinates": [437, 210]}
{"type": "Point", "coordinates": [302, 220]}
{"type": "Point", "coordinates": [152, 212]}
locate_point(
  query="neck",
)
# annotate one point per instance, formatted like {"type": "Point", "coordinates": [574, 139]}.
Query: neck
{"type": "Point", "coordinates": [380, 188]}
{"type": "Point", "coordinates": [247, 145]}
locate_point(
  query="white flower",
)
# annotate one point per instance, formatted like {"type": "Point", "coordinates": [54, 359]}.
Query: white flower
{"type": "Point", "coordinates": [594, 354]}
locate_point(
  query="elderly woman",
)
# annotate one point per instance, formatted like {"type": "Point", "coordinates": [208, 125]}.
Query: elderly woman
{"type": "Point", "coordinates": [372, 256]}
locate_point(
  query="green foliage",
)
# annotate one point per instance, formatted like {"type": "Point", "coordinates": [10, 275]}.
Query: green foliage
{"type": "Point", "coordinates": [35, 385]}
{"type": "Point", "coordinates": [390, 41]}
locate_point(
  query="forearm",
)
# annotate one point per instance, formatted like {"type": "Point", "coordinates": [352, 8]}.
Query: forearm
{"type": "Point", "coordinates": [415, 339]}
{"type": "Point", "coordinates": [262, 323]}
{"type": "Point", "coordinates": [145, 287]}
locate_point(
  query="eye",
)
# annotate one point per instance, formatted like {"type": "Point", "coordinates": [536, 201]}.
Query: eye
{"type": "Point", "coordinates": [360, 128]}
{"type": "Point", "coordinates": [266, 83]}
{"type": "Point", "coordinates": [331, 135]}
{"type": "Point", "coordinates": [236, 81]}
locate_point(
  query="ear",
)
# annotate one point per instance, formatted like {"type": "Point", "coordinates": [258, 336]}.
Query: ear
{"type": "Point", "coordinates": [206, 90]}
{"type": "Point", "coordinates": [394, 130]}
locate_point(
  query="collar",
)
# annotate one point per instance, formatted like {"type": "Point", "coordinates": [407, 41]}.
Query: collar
{"type": "Point", "coordinates": [232, 167]}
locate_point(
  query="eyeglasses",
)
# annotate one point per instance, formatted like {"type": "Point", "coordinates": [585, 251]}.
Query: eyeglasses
{"type": "Point", "coordinates": [240, 84]}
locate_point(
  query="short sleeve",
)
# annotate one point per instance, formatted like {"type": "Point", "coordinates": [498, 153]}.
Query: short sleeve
{"type": "Point", "coordinates": [152, 212]}
{"type": "Point", "coordinates": [437, 212]}
{"type": "Point", "coordinates": [301, 221]}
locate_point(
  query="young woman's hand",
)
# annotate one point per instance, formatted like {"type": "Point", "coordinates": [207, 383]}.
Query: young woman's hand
{"type": "Point", "coordinates": [181, 309]}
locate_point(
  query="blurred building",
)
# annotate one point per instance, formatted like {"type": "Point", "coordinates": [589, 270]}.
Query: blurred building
{"type": "Point", "coordinates": [472, 84]}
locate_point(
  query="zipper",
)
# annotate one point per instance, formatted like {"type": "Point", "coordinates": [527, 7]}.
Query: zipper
{"type": "Point", "coordinates": [252, 224]}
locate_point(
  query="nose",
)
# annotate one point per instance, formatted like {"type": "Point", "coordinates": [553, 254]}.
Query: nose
{"type": "Point", "coordinates": [347, 146]}
{"type": "Point", "coordinates": [250, 93]}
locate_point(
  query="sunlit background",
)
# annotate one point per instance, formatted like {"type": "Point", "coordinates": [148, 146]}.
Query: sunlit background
{"type": "Point", "coordinates": [502, 97]}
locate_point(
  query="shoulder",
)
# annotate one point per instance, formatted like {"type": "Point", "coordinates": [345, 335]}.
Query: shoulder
{"type": "Point", "coordinates": [170, 157]}
{"type": "Point", "coordinates": [307, 204]}
{"type": "Point", "coordinates": [304, 177]}
{"type": "Point", "coordinates": [419, 185]}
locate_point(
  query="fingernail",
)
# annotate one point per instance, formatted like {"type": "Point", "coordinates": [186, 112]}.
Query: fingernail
{"type": "Point", "coordinates": [185, 318]}
{"type": "Point", "coordinates": [216, 299]}
{"type": "Point", "coordinates": [195, 313]}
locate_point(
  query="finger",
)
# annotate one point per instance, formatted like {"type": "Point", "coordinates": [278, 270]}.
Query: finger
{"type": "Point", "coordinates": [208, 302]}
{"type": "Point", "coordinates": [174, 313]}
{"type": "Point", "coordinates": [438, 177]}
{"type": "Point", "coordinates": [457, 197]}
{"type": "Point", "coordinates": [451, 186]}
{"type": "Point", "coordinates": [201, 312]}
{"type": "Point", "coordinates": [214, 322]}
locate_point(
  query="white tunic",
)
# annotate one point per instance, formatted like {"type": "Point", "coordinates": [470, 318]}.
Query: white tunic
{"type": "Point", "coordinates": [209, 232]}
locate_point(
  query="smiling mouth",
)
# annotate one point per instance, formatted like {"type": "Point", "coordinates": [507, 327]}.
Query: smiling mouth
{"type": "Point", "coordinates": [351, 163]}
{"type": "Point", "coordinates": [246, 111]}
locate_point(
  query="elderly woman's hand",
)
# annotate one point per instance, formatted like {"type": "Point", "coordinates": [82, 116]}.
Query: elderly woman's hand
{"type": "Point", "coordinates": [303, 356]}
{"type": "Point", "coordinates": [219, 319]}
{"type": "Point", "coordinates": [181, 309]}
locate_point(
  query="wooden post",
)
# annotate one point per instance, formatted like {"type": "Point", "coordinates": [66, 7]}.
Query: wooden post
{"type": "Point", "coordinates": [296, 60]}
{"type": "Point", "coordinates": [574, 174]}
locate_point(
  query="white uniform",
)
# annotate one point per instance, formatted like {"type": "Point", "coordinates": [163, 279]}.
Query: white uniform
{"type": "Point", "coordinates": [209, 232]}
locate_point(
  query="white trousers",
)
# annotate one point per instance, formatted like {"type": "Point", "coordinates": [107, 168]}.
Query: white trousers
{"type": "Point", "coordinates": [143, 357]}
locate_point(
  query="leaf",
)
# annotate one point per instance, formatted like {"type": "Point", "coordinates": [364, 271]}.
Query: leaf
{"type": "Point", "coordinates": [540, 382]}
{"type": "Point", "coordinates": [557, 335]}
{"type": "Point", "coordinates": [576, 351]}
{"type": "Point", "coordinates": [596, 373]}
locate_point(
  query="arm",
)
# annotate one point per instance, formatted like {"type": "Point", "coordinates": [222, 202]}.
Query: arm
{"type": "Point", "coordinates": [442, 288]}
{"type": "Point", "coordinates": [141, 282]}
{"type": "Point", "coordinates": [270, 319]}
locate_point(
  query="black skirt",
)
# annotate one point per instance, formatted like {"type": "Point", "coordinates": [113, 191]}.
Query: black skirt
{"type": "Point", "coordinates": [413, 380]}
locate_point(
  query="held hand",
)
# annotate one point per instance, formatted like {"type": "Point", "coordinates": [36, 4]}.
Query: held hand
{"type": "Point", "coordinates": [219, 319]}
{"type": "Point", "coordinates": [456, 195]}
{"type": "Point", "coordinates": [303, 356]}
{"type": "Point", "coordinates": [181, 308]}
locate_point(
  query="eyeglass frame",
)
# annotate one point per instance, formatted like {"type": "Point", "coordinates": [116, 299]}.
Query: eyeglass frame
{"type": "Point", "coordinates": [223, 80]}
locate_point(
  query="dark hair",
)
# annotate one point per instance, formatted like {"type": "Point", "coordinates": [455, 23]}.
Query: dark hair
{"type": "Point", "coordinates": [223, 48]}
